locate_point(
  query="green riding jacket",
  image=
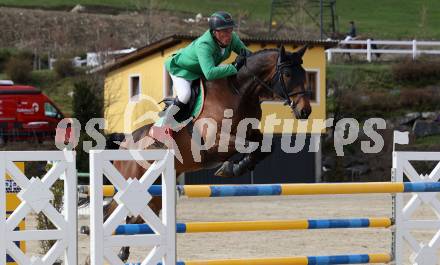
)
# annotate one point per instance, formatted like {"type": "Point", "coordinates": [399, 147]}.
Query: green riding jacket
{"type": "Point", "coordinates": [202, 58]}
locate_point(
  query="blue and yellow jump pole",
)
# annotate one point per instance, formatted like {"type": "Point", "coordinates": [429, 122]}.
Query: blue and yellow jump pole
{"type": "Point", "coordinates": [308, 189]}
{"type": "Point", "coordinates": [289, 189]}
{"type": "Point", "coordinates": [300, 260]}
{"type": "Point", "coordinates": [268, 225]}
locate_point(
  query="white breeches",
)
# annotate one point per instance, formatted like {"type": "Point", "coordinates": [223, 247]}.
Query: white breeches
{"type": "Point", "coordinates": [348, 38]}
{"type": "Point", "coordinates": [182, 88]}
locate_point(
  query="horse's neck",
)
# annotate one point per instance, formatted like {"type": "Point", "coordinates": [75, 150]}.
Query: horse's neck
{"type": "Point", "coordinates": [259, 69]}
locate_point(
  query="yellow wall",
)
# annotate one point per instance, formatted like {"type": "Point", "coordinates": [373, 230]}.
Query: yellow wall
{"type": "Point", "coordinates": [122, 114]}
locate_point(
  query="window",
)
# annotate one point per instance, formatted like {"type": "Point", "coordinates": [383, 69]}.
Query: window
{"type": "Point", "coordinates": [50, 110]}
{"type": "Point", "coordinates": [312, 83]}
{"type": "Point", "coordinates": [135, 88]}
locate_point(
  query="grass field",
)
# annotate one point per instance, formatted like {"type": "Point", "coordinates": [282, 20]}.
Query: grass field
{"type": "Point", "coordinates": [391, 19]}
{"type": "Point", "coordinates": [386, 19]}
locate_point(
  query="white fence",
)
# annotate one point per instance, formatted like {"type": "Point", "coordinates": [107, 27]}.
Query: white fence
{"type": "Point", "coordinates": [406, 212]}
{"type": "Point", "coordinates": [36, 196]}
{"type": "Point", "coordinates": [132, 199]}
{"type": "Point", "coordinates": [414, 48]}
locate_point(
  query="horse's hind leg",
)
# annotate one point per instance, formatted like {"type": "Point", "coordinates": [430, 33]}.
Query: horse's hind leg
{"type": "Point", "coordinates": [348, 55]}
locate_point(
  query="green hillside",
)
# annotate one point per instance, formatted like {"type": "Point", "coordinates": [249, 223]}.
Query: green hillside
{"type": "Point", "coordinates": [391, 19]}
{"type": "Point", "coordinates": [386, 19]}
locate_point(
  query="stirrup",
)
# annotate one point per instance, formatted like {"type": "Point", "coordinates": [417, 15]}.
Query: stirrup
{"type": "Point", "coordinates": [162, 130]}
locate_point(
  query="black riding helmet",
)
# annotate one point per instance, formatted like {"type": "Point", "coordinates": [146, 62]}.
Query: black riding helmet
{"type": "Point", "coordinates": [220, 20]}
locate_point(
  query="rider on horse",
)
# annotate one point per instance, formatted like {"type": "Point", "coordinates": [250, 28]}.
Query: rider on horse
{"type": "Point", "coordinates": [352, 32]}
{"type": "Point", "coordinates": [202, 58]}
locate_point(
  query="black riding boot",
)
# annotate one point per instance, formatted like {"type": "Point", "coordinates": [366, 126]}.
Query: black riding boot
{"type": "Point", "coordinates": [176, 112]}
{"type": "Point", "coordinates": [180, 115]}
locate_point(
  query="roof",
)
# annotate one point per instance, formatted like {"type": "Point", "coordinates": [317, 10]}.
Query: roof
{"type": "Point", "coordinates": [172, 40]}
{"type": "Point", "coordinates": [18, 89]}
{"type": "Point", "coordinates": [326, 44]}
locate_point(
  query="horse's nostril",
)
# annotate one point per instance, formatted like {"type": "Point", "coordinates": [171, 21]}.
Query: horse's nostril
{"type": "Point", "coordinates": [304, 114]}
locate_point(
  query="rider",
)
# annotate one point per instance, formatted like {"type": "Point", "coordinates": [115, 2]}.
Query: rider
{"type": "Point", "coordinates": [352, 33]}
{"type": "Point", "coordinates": [203, 57]}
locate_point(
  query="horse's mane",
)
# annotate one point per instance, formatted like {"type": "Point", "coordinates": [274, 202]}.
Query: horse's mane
{"type": "Point", "coordinates": [263, 51]}
{"type": "Point", "coordinates": [290, 56]}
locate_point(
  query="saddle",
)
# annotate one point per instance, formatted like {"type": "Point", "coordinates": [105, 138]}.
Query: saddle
{"type": "Point", "coordinates": [194, 107]}
{"type": "Point", "coordinates": [192, 110]}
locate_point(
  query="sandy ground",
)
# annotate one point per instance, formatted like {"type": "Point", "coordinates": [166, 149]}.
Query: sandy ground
{"type": "Point", "coordinates": [277, 243]}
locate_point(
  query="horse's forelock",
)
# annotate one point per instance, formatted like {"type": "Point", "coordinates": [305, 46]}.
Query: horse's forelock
{"type": "Point", "coordinates": [294, 58]}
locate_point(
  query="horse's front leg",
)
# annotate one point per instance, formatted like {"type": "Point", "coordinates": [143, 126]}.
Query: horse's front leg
{"type": "Point", "coordinates": [156, 205]}
{"type": "Point", "coordinates": [247, 163]}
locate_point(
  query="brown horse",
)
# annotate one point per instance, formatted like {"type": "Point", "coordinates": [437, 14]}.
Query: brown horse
{"type": "Point", "coordinates": [341, 36]}
{"type": "Point", "coordinates": [267, 74]}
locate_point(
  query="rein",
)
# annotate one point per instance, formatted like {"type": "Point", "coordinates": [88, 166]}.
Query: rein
{"type": "Point", "coordinates": [278, 86]}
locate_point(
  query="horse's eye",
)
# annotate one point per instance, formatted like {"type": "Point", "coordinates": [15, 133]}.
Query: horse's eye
{"type": "Point", "coordinates": [287, 74]}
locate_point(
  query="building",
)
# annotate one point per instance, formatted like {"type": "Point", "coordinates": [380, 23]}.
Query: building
{"type": "Point", "coordinates": [135, 82]}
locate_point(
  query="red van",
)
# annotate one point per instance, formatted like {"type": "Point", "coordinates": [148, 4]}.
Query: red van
{"type": "Point", "coordinates": [26, 113]}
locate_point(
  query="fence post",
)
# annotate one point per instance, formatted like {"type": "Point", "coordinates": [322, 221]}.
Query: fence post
{"type": "Point", "coordinates": [414, 49]}
{"type": "Point", "coordinates": [329, 55]}
{"type": "Point", "coordinates": [369, 50]}
{"type": "Point", "coordinates": [51, 62]}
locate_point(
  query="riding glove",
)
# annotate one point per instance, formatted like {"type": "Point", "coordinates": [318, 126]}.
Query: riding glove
{"type": "Point", "coordinates": [239, 62]}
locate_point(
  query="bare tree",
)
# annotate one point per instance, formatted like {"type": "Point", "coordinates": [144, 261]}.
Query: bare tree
{"type": "Point", "coordinates": [153, 25]}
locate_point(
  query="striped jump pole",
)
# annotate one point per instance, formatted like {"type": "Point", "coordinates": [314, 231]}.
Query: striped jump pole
{"type": "Point", "coordinates": [308, 189]}
{"type": "Point", "coordinates": [269, 225]}
{"type": "Point", "coordinates": [288, 189]}
{"type": "Point", "coordinates": [110, 190]}
{"type": "Point", "coordinates": [300, 260]}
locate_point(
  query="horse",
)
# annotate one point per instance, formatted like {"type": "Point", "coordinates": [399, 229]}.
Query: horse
{"type": "Point", "coordinates": [267, 74]}
{"type": "Point", "coordinates": [340, 36]}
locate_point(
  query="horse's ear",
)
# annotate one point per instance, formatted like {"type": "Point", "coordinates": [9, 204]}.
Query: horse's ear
{"type": "Point", "coordinates": [282, 53]}
{"type": "Point", "coordinates": [301, 51]}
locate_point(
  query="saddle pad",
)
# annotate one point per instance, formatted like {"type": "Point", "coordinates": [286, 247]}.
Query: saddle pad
{"type": "Point", "coordinates": [200, 100]}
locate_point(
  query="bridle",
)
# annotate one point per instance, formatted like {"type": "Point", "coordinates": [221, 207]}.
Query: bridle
{"type": "Point", "coordinates": [277, 85]}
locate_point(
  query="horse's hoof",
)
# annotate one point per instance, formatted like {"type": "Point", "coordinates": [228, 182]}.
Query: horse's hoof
{"type": "Point", "coordinates": [124, 253]}
{"type": "Point", "coordinates": [85, 230]}
{"type": "Point", "coordinates": [226, 170]}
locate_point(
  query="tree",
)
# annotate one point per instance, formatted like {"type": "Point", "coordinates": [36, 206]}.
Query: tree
{"type": "Point", "coordinates": [19, 69]}
{"type": "Point", "coordinates": [87, 104]}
